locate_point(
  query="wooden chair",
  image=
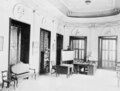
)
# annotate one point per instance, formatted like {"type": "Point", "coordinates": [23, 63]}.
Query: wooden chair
{"type": "Point", "coordinates": [6, 80]}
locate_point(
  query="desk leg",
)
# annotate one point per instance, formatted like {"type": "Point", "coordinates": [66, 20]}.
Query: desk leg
{"type": "Point", "coordinates": [67, 72]}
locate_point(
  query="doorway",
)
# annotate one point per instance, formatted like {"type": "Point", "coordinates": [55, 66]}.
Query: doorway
{"type": "Point", "coordinates": [19, 42]}
{"type": "Point", "coordinates": [107, 52]}
{"type": "Point", "coordinates": [59, 47]}
{"type": "Point", "coordinates": [45, 37]}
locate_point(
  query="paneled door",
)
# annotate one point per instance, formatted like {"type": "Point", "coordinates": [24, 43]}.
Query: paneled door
{"type": "Point", "coordinates": [108, 52]}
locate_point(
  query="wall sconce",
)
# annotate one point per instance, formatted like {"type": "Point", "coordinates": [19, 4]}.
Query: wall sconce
{"type": "Point", "coordinates": [87, 2]}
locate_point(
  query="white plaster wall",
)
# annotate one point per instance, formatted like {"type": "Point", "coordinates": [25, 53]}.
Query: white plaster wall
{"type": "Point", "coordinates": [36, 20]}
{"type": "Point", "coordinates": [4, 31]}
{"type": "Point", "coordinates": [49, 24]}
{"type": "Point", "coordinates": [6, 12]}
{"type": "Point", "coordinates": [39, 20]}
{"type": "Point", "coordinates": [117, 3]}
{"type": "Point", "coordinates": [92, 33]}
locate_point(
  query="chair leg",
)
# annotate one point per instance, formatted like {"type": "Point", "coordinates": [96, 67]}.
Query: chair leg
{"type": "Point", "coordinates": [14, 84]}
{"type": "Point", "coordinates": [8, 84]}
{"type": "Point", "coordinates": [2, 84]}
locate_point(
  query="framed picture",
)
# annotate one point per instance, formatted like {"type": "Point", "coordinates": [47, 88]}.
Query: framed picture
{"type": "Point", "coordinates": [1, 43]}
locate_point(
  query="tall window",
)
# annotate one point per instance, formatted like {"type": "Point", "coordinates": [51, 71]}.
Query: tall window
{"type": "Point", "coordinates": [108, 50]}
{"type": "Point", "coordinates": [79, 45]}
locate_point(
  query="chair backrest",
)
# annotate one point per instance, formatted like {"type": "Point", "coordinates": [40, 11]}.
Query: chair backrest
{"type": "Point", "coordinates": [20, 68]}
{"type": "Point", "coordinates": [53, 64]}
{"type": "Point", "coordinates": [4, 74]}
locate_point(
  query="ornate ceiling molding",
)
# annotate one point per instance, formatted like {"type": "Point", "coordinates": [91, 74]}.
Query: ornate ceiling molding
{"type": "Point", "coordinates": [93, 25]}
{"type": "Point", "coordinates": [72, 9]}
{"type": "Point", "coordinates": [19, 10]}
{"type": "Point", "coordinates": [96, 14]}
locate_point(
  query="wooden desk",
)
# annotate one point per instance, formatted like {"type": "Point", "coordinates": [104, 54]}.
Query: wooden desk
{"type": "Point", "coordinates": [79, 65]}
{"type": "Point", "coordinates": [92, 69]}
{"type": "Point", "coordinates": [70, 67]}
{"type": "Point", "coordinates": [88, 68]}
{"type": "Point", "coordinates": [64, 69]}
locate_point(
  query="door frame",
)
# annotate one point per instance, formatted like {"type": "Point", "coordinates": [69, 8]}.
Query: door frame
{"type": "Point", "coordinates": [49, 46]}
{"type": "Point", "coordinates": [57, 45]}
{"type": "Point", "coordinates": [9, 36]}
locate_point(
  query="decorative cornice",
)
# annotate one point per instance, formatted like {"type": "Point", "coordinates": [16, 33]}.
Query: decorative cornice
{"type": "Point", "coordinates": [18, 10]}
{"type": "Point", "coordinates": [85, 25]}
{"type": "Point", "coordinates": [96, 14]}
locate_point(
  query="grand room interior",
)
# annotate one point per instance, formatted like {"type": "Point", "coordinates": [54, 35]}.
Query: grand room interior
{"type": "Point", "coordinates": [59, 45]}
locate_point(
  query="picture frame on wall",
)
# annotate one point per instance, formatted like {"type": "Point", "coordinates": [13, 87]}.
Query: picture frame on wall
{"type": "Point", "coordinates": [1, 43]}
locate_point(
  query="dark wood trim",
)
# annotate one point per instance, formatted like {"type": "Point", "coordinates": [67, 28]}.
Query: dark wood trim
{"type": "Point", "coordinates": [49, 46]}
{"type": "Point", "coordinates": [16, 23]}
{"type": "Point", "coordinates": [9, 49]}
{"type": "Point", "coordinates": [57, 61]}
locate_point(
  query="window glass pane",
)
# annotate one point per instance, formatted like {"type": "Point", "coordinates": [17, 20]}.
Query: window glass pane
{"type": "Point", "coordinates": [82, 54]}
{"type": "Point", "coordinates": [112, 55]}
{"type": "Point", "coordinates": [80, 44]}
{"type": "Point", "coordinates": [77, 43]}
{"type": "Point", "coordinates": [105, 55]}
{"type": "Point", "coordinates": [83, 44]}
{"type": "Point", "coordinates": [71, 44]}
{"type": "Point", "coordinates": [112, 45]}
{"type": "Point", "coordinates": [105, 45]}
{"type": "Point", "coordinates": [74, 44]}
{"type": "Point", "coordinates": [76, 54]}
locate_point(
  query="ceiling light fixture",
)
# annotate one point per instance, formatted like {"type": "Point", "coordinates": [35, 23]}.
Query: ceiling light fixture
{"type": "Point", "coordinates": [87, 2]}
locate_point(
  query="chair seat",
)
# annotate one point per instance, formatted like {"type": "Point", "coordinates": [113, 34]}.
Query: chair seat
{"type": "Point", "coordinates": [6, 80]}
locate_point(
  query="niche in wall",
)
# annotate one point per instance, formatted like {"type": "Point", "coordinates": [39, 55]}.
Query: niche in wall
{"type": "Point", "coordinates": [19, 40]}
{"type": "Point", "coordinates": [45, 37]}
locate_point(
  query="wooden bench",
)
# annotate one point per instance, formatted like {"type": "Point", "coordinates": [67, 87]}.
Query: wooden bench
{"type": "Point", "coordinates": [22, 71]}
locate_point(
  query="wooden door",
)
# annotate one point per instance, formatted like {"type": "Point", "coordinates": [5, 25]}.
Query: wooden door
{"type": "Point", "coordinates": [44, 51]}
{"type": "Point", "coordinates": [59, 47]}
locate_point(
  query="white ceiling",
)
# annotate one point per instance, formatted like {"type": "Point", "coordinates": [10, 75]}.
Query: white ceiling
{"type": "Point", "coordinates": [78, 8]}
{"type": "Point", "coordinates": [95, 5]}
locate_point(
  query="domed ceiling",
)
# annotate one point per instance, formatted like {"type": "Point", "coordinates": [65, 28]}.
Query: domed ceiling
{"type": "Point", "coordinates": [87, 8]}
